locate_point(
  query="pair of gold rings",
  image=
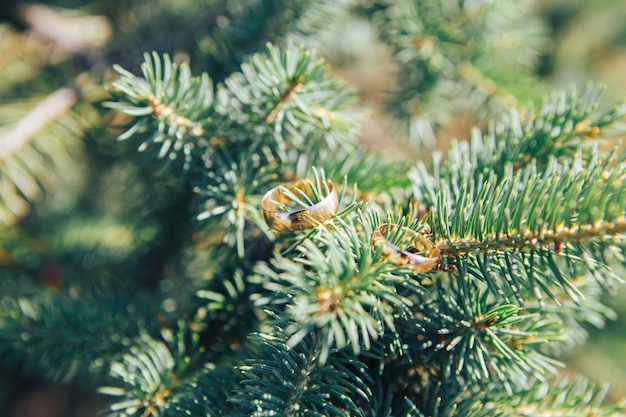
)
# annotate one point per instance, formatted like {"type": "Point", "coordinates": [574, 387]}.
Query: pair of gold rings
{"type": "Point", "coordinates": [280, 220]}
{"type": "Point", "coordinates": [421, 254]}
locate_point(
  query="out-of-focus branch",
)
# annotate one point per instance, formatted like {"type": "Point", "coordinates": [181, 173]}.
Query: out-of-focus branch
{"type": "Point", "coordinates": [68, 35]}
{"type": "Point", "coordinates": [45, 112]}
{"type": "Point", "coordinates": [82, 36]}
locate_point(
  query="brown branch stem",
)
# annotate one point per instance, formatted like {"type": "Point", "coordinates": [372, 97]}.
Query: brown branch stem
{"type": "Point", "coordinates": [561, 235]}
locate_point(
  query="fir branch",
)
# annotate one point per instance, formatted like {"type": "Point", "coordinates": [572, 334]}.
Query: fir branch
{"type": "Point", "coordinates": [575, 314]}
{"type": "Point", "coordinates": [471, 337]}
{"type": "Point", "coordinates": [156, 374]}
{"type": "Point", "coordinates": [291, 380]}
{"type": "Point", "coordinates": [34, 145]}
{"type": "Point", "coordinates": [561, 397]}
{"type": "Point", "coordinates": [455, 59]}
{"type": "Point", "coordinates": [148, 370]}
{"type": "Point", "coordinates": [281, 99]}
{"type": "Point", "coordinates": [284, 96]}
{"type": "Point", "coordinates": [229, 197]}
{"type": "Point", "coordinates": [226, 303]}
{"type": "Point", "coordinates": [384, 402]}
{"type": "Point", "coordinates": [337, 283]}
{"type": "Point", "coordinates": [207, 395]}
{"type": "Point", "coordinates": [89, 333]}
{"type": "Point", "coordinates": [557, 239]}
{"type": "Point", "coordinates": [566, 122]}
{"type": "Point", "coordinates": [50, 108]}
{"type": "Point", "coordinates": [169, 105]}
{"type": "Point", "coordinates": [547, 225]}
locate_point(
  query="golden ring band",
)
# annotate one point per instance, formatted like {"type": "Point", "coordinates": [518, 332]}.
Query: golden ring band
{"type": "Point", "coordinates": [425, 257]}
{"type": "Point", "coordinates": [285, 221]}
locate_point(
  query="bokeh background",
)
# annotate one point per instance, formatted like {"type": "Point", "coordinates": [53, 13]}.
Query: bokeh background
{"type": "Point", "coordinates": [586, 41]}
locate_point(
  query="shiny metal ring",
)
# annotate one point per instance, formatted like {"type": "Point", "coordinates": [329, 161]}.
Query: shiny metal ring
{"type": "Point", "coordinates": [286, 221]}
{"type": "Point", "coordinates": [424, 257]}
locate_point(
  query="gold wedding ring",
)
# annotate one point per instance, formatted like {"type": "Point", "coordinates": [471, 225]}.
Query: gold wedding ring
{"type": "Point", "coordinates": [423, 257]}
{"type": "Point", "coordinates": [285, 221]}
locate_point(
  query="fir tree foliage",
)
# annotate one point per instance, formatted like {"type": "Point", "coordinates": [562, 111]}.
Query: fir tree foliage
{"type": "Point", "coordinates": [454, 58]}
{"type": "Point", "coordinates": [350, 299]}
{"type": "Point", "coordinates": [174, 126]}
{"type": "Point", "coordinates": [563, 396]}
{"type": "Point", "coordinates": [284, 380]}
{"type": "Point", "coordinates": [100, 337]}
{"type": "Point", "coordinates": [515, 236]}
{"type": "Point", "coordinates": [280, 90]}
{"type": "Point", "coordinates": [565, 122]}
{"type": "Point", "coordinates": [549, 232]}
{"type": "Point", "coordinates": [39, 138]}
{"type": "Point", "coordinates": [280, 100]}
{"type": "Point", "coordinates": [503, 238]}
{"type": "Point", "coordinates": [160, 376]}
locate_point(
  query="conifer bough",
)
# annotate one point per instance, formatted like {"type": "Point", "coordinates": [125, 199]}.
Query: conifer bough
{"type": "Point", "coordinates": [301, 276]}
{"type": "Point", "coordinates": [530, 208]}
